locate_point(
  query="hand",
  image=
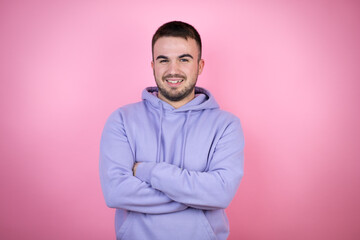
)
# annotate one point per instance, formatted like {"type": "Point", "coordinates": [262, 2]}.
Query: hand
{"type": "Point", "coordinates": [134, 168]}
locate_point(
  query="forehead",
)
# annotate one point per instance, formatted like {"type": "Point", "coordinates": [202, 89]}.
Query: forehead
{"type": "Point", "coordinates": [175, 46]}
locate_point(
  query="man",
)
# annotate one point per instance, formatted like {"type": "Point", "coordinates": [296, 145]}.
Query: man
{"type": "Point", "coordinates": [172, 163]}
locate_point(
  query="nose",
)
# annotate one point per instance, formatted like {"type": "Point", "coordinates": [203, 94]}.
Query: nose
{"type": "Point", "coordinates": [173, 67]}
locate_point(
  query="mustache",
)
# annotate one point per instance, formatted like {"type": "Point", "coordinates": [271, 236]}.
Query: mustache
{"type": "Point", "coordinates": [173, 76]}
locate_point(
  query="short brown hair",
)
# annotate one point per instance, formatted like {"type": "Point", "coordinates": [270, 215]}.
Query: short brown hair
{"type": "Point", "coordinates": [177, 29]}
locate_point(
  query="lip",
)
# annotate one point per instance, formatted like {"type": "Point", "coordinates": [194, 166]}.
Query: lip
{"type": "Point", "coordinates": [174, 82]}
{"type": "Point", "coordinates": [173, 79]}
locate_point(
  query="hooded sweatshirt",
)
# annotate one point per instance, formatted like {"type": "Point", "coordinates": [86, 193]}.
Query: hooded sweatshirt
{"type": "Point", "coordinates": [191, 163]}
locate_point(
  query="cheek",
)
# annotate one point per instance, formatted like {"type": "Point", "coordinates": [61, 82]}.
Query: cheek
{"type": "Point", "coordinates": [193, 70]}
{"type": "Point", "coordinates": [160, 69]}
{"type": "Point", "coordinates": [157, 71]}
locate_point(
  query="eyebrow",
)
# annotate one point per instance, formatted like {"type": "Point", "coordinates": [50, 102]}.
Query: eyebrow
{"type": "Point", "coordinates": [186, 55]}
{"type": "Point", "coordinates": [181, 56]}
{"type": "Point", "coordinates": [161, 56]}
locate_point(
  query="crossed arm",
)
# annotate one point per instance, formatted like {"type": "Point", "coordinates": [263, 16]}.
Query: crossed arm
{"type": "Point", "coordinates": [156, 188]}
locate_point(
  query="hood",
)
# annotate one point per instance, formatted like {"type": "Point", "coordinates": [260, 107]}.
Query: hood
{"type": "Point", "coordinates": [203, 100]}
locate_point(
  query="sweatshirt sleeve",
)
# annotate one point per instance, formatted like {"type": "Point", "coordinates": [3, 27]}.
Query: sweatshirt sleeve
{"type": "Point", "coordinates": [212, 189]}
{"type": "Point", "coordinates": [120, 188]}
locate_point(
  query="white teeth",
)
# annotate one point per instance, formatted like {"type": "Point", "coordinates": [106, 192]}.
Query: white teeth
{"type": "Point", "coordinates": [174, 81]}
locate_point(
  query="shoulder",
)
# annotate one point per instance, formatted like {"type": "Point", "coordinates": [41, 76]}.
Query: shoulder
{"type": "Point", "coordinates": [227, 122]}
{"type": "Point", "coordinates": [224, 116]}
{"type": "Point", "coordinates": [126, 111]}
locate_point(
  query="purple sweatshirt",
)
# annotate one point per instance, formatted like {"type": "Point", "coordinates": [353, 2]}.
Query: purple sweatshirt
{"type": "Point", "coordinates": [191, 166]}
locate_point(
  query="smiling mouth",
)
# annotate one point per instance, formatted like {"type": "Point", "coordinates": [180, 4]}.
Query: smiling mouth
{"type": "Point", "coordinates": [174, 81]}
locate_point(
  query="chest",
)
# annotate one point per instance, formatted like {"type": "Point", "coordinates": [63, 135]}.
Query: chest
{"type": "Point", "coordinates": [187, 141]}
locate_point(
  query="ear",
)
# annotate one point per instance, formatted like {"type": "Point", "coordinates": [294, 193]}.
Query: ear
{"type": "Point", "coordinates": [152, 65]}
{"type": "Point", "coordinates": [201, 66]}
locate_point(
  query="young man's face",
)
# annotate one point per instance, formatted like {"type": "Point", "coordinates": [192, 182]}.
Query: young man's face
{"type": "Point", "coordinates": [176, 68]}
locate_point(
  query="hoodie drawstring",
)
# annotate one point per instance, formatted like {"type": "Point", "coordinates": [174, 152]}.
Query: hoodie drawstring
{"type": "Point", "coordinates": [160, 133]}
{"type": "Point", "coordinates": [182, 160]}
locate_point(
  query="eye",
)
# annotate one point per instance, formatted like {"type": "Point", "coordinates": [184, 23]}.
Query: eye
{"type": "Point", "coordinates": [164, 61]}
{"type": "Point", "coordinates": [184, 60]}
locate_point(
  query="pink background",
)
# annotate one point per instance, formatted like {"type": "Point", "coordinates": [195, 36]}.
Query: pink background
{"type": "Point", "coordinates": [289, 69]}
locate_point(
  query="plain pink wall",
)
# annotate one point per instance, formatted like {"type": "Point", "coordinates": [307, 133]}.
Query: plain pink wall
{"type": "Point", "coordinates": [289, 69]}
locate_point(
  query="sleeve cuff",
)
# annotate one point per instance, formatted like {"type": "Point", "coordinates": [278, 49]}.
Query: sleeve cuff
{"type": "Point", "coordinates": [143, 171]}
